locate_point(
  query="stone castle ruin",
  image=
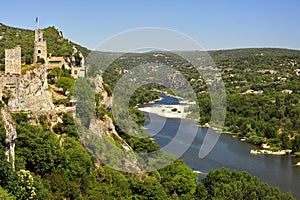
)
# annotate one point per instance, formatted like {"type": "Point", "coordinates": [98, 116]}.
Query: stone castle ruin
{"type": "Point", "coordinates": [40, 47]}
{"type": "Point", "coordinates": [28, 90]}
{"type": "Point", "coordinates": [13, 60]}
{"type": "Point", "coordinates": [10, 81]}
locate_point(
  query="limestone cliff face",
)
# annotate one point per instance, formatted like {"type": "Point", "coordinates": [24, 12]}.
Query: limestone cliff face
{"type": "Point", "coordinates": [106, 99]}
{"type": "Point", "coordinates": [105, 128]}
{"type": "Point", "coordinates": [124, 153]}
{"type": "Point", "coordinates": [76, 62]}
{"type": "Point", "coordinates": [11, 135]}
{"type": "Point", "coordinates": [33, 94]}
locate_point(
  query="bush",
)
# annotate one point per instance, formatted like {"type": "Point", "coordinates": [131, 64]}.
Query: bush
{"type": "Point", "coordinates": [41, 60]}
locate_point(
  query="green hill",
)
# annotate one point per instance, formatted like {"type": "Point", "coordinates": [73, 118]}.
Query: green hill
{"type": "Point", "coordinates": [56, 44]}
{"type": "Point", "coordinates": [234, 53]}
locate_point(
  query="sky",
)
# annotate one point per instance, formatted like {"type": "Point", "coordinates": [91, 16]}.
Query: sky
{"type": "Point", "coordinates": [214, 24]}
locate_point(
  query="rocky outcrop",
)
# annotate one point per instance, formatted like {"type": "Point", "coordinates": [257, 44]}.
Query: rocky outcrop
{"type": "Point", "coordinates": [11, 135]}
{"type": "Point", "coordinates": [106, 127]}
{"type": "Point", "coordinates": [112, 143]}
{"type": "Point", "coordinates": [99, 88]}
{"type": "Point", "coordinates": [33, 94]}
{"type": "Point", "coordinates": [76, 62]}
{"type": "Point", "coordinates": [112, 146]}
{"type": "Point", "coordinates": [175, 80]}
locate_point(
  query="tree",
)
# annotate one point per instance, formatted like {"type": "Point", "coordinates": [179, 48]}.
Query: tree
{"type": "Point", "coordinates": [69, 126]}
{"type": "Point", "coordinates": [67, 84]}
{"type": "Point", "coordinates": [85, 108]}
{"type": "Point", "coordinates": [285, 141]}
{"type": "Point", "coordinates": [201, 192]}
{"type": "Point", "coordinates": [38, 149]}
{"type": "Point", "coordinates": [178, 178]}
{"type": "Point", "coordinates": [239, 185]}
{"type": "Point", "coordinates": [41, 60]}
{"type": "Point", "coordinates": [5, 195]}
{"type": "Point", "coordinates": [296, 144]}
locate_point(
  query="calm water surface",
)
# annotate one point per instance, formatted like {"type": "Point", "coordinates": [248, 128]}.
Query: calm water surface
{"type": "Point", "coordinates": [228, 152]}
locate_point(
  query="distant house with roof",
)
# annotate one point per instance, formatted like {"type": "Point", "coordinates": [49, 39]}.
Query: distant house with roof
{"type": "Point", "coordinates": [56, 62]}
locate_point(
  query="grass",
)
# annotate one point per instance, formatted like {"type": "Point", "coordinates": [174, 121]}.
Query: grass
{"type": "Point", "coordinates": [26, 68]}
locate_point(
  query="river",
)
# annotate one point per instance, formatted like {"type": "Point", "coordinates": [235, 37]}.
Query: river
{"type": "Point", "coordinates": [229, 152]}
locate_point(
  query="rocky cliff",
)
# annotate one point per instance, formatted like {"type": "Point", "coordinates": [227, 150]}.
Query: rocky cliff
{"type": "Point", "coordinates": [33, 95]}
{"type": "Point", "coordinates": [99, 88]}
{"type": "Point", "coordinates": [104, 128]}
{"type": "Point", "coordinates": [11, 135]}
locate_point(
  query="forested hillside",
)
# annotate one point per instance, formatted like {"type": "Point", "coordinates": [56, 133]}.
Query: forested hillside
{"type": "Point", "coordinates": [46, 168]}
{"type": "Point", "coordinates": [262, 89]}
{"type": "Point", "coordinates": [56, 44]}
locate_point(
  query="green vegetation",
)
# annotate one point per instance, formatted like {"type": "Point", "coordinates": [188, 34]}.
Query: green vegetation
{"type": "Point", "coordinates": [5, 195]}
{"type": "Point", "coordinates": [250, 115]}
{"type": "Point", "coordinates": [56, 45]}
{"type": "Point", "coordinates": [49, 168]}
{"type": "Point", "coordinates": [65, 83]}
{"type": "Point", "coordinates": [54, 164]}
{"type": "Point", "coordinates": [61, 78]}
{"type": "Point", "coordinates": [262, 91]}
{"type": "Point", "coordinates": [46, 169]}
{"type": "Point", "coordinates": [271, 116]}
{"type": "Point", "coordinates": [237, 185]}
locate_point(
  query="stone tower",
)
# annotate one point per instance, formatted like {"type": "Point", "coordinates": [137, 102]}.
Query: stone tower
{"type": "Point", "coordinates": [13, 60]}
{"type": "Point", "coordinates": [40, 46]}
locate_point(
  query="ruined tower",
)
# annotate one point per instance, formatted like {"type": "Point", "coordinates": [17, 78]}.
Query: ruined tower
{"type": "Point", "coordinates": [13, 60]}
{"type": "Point", "coordinates": [40, 46]}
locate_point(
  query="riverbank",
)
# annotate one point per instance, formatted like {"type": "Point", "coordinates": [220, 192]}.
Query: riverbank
{"type": "Point", "coordinates": [228, 152]}
{"type": "Point", "coordinates": [265, 148]}
{"type": "Point", "coordinates": [269, 152]}
{"type": "Point", "coordinates": [168, 111]}
{"type": "Point", "coordinates": [179, 111]}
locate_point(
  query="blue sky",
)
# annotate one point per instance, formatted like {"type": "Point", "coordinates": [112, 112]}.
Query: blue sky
{"type": "Point", "coordinates": [215, 24]}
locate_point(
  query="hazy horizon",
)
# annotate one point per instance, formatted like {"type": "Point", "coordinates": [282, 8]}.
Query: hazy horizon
{"type": "Point", "coordinates": [216, 25]}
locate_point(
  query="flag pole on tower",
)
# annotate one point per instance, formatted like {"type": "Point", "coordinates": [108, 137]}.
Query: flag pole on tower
{"type": "Point", "coordinates": [37, 22]}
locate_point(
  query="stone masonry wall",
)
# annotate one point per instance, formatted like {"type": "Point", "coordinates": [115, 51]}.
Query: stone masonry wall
{"type": "Point", "coordinates": [40, 46]}
{"type": "Point", "coordinates": [9, 84]}
{"type": "Point", "coordinates": [13, 60]}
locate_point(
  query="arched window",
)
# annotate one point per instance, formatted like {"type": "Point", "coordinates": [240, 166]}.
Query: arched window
{"type": "Point", "coordinates": [39, 51]}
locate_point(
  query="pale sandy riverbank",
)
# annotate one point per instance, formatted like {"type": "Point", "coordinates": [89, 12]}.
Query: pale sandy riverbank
{"type": "Point", "coordinates": [168, 111]}
{"type": "Point", "coordinates": [263, 151]}
{"type": "Point", "coordinates": [178, 111]}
